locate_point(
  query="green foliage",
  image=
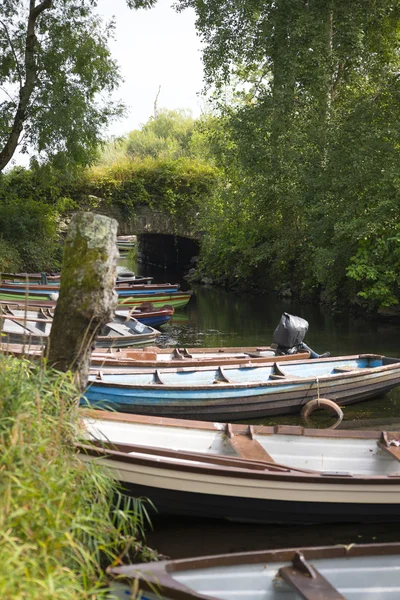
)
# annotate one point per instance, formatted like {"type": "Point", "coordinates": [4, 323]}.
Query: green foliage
{"type": "Point", "coordinates": [10, 259]}
{"type": "Point", "coordinates": [32, 203]}
{"type": "Point", "coordinates": [166, 136]}
{"type": "Point", "coordinates": [30, 228]}
{"type": "Point", "coordinates": [308, 143]}
{"type": "Point", "coordinates": [60, 520]}
{"type": "Point", "coordinates": [164, 184]}
{"type": "Point", "coordinates": [376, 266]}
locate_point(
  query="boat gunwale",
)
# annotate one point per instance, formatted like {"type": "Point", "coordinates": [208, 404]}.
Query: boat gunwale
{"type": "Point", "coordinates": [32, 308]}
{"type": "Point", "coordinates": [119, 285]}
{"type": "Point", "coordinates": [357, 373]}
{"type": "Point", "coordinates": [220, 427]}
{"type": "Point", "coordinates": [159, 574]}
{"type": "Point", "coordinates": [104, 450]}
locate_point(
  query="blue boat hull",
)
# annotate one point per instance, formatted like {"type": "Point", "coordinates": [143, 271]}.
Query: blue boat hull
{"type": "Point", "coordinates": [227, 401]}
{"type": "Point", "coordinates": [133, 292]}
{"type": "Point", "coordinates": [154, 321]}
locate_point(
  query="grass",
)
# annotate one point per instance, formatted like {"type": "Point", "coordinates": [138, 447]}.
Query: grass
{"type": "Point", "coordinates": [61, 521]}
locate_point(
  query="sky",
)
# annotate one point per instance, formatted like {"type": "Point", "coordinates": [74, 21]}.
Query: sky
{"type": "Point", "coordinates": [156, 47]}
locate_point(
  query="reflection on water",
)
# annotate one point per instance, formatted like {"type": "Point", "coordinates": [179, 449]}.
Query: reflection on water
{"type": "Point", "coordinates": [184, 537]}
{"type": "Point", "coordinates": [220, 318]}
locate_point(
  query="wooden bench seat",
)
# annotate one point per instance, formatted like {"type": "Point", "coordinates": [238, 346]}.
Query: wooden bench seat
{"type": "Point", "coordinates": [247, 447]}
{"type": "Point", "coordinates": [308, 582]}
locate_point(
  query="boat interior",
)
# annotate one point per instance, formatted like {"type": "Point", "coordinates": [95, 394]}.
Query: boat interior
{"type": "Point", "coordinates": [373, 455]}
{"type": "Point", "coordinates": [355, 578]}
{"type": "Point", "coordinates": [246, 374]}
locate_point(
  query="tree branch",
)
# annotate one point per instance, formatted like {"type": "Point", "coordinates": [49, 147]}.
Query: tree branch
{"type": "Point", "coordinates": [14, 53]}
{"type": "Point", "coordinates": [7, 94]}
{"type": "Point", "coordinates": [36, 10]}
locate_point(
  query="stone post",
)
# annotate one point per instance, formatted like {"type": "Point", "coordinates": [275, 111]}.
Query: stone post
{"type": "Point", "coordinates": [87, 298]}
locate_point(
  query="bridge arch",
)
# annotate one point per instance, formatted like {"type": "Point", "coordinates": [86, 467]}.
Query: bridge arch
{"type": "Point", "coordinates": [163, 239]}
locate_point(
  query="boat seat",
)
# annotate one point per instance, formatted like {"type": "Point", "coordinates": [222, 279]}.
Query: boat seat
{"type": "Point", "coordinates": [307, 581]}
{"type": "Point", "coordinates": [389, 446]}
{"type": "Point", "coordinates": [32, 329]}
{"type": "Point", "coordinates": [222, 377]}
{"type": "Point", "coordinates": [121, 329]}
{"type": "Point", "coordinates": [346, 369]}
{"type": "Point", "coordinates": [158, 378]}
{"type": "Point", "coordinates": [247, 447]}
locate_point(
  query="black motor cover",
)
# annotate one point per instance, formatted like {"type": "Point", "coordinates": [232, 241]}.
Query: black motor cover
{"type": "Point", "coordinates": [291, 331]}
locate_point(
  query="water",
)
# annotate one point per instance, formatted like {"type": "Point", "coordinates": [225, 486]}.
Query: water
{"type": "Point", "coordinates": [217, 317]}
{"type": "Point", "coordinates": [220, 318]}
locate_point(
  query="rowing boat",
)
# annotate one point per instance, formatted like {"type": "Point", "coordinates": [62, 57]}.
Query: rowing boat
{"type": "Point", "coordinates": [171, 358]}
{"type": "Point", "coordinates": [33, 327]}
{"type": "Point", "coordinates": [237, 393]}
{"type": "Point", "coordinates": [144, 313]}
{"type": "Point", "coordinates": [122, 288]}
{"type": "Point", "coordinates": [42, 298]}
{"type": "Point", "coordinates": [284, 474]}
{"type": "Point", "coordinates": [354, 572]}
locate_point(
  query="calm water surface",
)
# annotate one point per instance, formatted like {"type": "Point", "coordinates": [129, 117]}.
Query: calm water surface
{"type": "Point", "coordinates": [220, 318]}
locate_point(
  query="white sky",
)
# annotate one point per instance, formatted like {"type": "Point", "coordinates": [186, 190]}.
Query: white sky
{"type": "Point", "coordinates": [154, 47]}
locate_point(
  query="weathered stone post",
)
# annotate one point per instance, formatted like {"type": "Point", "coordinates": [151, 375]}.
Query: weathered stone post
{"type": "Point", "coordinates": [87, 298]}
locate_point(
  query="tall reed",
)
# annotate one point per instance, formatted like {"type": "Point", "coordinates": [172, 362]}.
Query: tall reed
{"type": "Point", "coordinates": [61, 521]}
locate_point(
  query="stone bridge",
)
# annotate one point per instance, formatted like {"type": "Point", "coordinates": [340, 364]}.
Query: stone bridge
{"type": "Point", "coordinates": [162, 239]}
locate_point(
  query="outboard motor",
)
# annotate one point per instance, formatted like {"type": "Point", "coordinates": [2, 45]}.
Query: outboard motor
{"type": "Point", "coordinates": [289, 336]}
{"type": "Point", "coordinates": [125, 276]}
{"type": "Point", "coordinates": [290, 333]}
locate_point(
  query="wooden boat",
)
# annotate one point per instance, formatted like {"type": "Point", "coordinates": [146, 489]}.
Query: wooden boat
{"type": "Point", "coordinates": [148, 315]}
{"type": "Point", "coordinates": [126, 243]}
{"type": "Point", "coordinates": [144, 313]}
{"type": "Point", "coordinates": [354, 572]}
{"type": "Point", "coordinates": [110, 359]}
{"type": "Point", "coordinates": [32, 277]}
{"type": "Point", "coordinates": [33, 327]}
{"type": "Point", "coordinates": [171, 358]}
{"type": "Point", "coordinates": [174, 299]}
{"type": "Point", "coordinates": [237, 393]}
{"type": "Point", "coordinates": [42, 297]}
{"type": "Point", "coordinates": [284, 474]}
{"type": "Point", "coordinates": [122, 288]}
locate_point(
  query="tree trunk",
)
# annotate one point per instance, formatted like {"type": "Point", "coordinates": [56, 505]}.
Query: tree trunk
{"type": "Point", "coordinates": [87, 297]}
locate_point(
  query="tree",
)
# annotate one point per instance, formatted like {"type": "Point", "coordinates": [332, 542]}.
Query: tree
{"type": "Point", "coordinates": [310, 147]}
{"type": "Point", "coordinates": [167, 134]}
{"type": "Point", "coordinates": [55, 73]}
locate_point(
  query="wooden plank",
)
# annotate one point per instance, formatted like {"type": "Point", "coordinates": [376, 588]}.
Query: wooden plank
{"type": "Point", "coordinates": [346, 369]}
{"type": "Point", "coordinates": [394, 451]}
{"type": "Point", "coordinates": [307, 581]}
{"type": "Point", "coordinates": [248, 448]}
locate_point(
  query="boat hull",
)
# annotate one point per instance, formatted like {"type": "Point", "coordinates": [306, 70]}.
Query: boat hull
{"type": "Point", "coordinates": [237, 402]}
{"type": "Point", "coordinates": [174, 299]}
{"type": "Point", "coordinates": [262, 511]}
{"type": "Point", "coordinates": [255, 474]}
{"type": "Point", "coordinates": [351, 571]}
{"type": "Point", "coordinates": [200, 491]}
